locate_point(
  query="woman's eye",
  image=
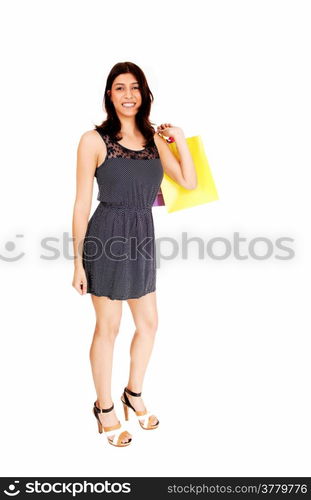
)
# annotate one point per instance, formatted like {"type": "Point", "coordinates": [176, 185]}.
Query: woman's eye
{"type": "Point", "coordinates": [120, 88]}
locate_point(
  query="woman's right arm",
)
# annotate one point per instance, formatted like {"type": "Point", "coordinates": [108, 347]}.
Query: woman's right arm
{"type": "Point", "coordinates": [86, 164]}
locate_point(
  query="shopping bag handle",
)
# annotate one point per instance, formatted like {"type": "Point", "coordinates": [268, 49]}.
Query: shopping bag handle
{"type": "Point", "coordinates": [166, 138]}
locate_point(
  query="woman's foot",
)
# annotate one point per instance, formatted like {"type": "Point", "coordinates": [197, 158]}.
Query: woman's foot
{"type": "Point", "coordinates": [138, 404]}
{"type": "Point", "coordinates": [110, 419]}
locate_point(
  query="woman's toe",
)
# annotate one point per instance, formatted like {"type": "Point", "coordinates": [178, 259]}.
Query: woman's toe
{"type": "Point", "coordinates": [154, 420]}
{"type": "Point", "coordinates": [128, 438]}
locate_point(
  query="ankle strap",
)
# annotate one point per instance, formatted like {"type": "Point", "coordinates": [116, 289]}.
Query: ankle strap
{"type": "Point", "coordinates": [103, 410]}
{"type": "Point", "coordinates": [132, 393]}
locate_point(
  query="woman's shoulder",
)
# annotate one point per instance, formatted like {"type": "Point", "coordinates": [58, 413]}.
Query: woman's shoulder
{"type": "Point", "coordinates": [158, 140]}
{"type": "Point", "coordinates": [94, 136]}
{"type": "Point", "coordinates": [92, 143]}
{"type": "Point", "coordinates": [89, 136]}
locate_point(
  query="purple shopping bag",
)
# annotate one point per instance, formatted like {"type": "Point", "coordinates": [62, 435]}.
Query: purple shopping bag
{"type": "Point", "coordinates": [159, 200]}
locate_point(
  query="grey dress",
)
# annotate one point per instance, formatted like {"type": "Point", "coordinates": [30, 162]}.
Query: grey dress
{"type": "Point", "coordinates": [119, 253]}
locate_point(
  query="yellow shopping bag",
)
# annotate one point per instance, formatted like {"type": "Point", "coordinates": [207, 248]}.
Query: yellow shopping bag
{"type": "Point", "coordinates": [177, 197]}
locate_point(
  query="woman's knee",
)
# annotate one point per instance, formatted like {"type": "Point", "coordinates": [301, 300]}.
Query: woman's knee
{"type": "Point", "coordinates": [107, 330]}
{"type": "Point", "coordinates": [148, 326]}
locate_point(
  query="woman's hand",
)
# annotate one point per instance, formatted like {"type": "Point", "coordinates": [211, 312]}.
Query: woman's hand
{"type": "Point", "coordinates": [168, 130]}
{"type": "Point", "coordinates": [79, 281]}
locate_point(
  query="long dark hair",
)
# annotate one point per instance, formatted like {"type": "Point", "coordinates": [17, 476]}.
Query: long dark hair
{"type": "Point", "coordinates": [112, 124]}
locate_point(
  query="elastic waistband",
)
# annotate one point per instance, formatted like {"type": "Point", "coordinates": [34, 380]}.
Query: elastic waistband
{"type": "Point", "coordinates": [112, 204]}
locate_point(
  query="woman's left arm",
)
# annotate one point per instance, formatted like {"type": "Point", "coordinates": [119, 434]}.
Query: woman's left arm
{"type": "Point", "coordinates": [182, 171]}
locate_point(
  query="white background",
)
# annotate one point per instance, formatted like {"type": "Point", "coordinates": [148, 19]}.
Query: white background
{"type": "Point", "coordinates": [229, 378]}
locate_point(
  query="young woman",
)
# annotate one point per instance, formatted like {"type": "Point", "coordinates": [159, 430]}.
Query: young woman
{"type": "Point", "coordinates": [115, 250]}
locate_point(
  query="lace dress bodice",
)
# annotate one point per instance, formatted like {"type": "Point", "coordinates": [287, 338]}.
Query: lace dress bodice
{"type": "Point", "coordinates": [129, 177]}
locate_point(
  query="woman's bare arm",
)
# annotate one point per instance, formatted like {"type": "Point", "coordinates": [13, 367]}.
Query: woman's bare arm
{"type": "Point", "coordinates": [87, 154]}
{"type": "Point", "coordinates": [183, 172]}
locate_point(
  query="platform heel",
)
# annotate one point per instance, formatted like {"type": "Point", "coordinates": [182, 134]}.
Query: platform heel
{"type": "Point", "coordinates": [117, 429]}
{"type": "Point", "coordinates": [143, 417]}
{"type": "Point", "coordinates": [126, 411]}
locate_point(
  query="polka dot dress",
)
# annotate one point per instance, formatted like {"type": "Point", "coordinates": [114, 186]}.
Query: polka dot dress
{"type": "Point", "coordinates": [119, 255]}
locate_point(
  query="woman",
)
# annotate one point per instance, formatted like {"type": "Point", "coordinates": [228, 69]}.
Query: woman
{"type": "Point", "coordinates": [115, 250]}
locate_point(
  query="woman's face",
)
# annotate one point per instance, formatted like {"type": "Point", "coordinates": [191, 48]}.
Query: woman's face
{"type": "Point", "coordinates": [125, 91]}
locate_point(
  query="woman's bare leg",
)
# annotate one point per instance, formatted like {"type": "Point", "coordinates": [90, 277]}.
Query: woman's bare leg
{"type": "Point", "coordinates": [108, 318]}
{"type": "Point", "coordinates": [145, 315]}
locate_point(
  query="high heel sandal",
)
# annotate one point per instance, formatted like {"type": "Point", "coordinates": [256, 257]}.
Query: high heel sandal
{"type": "Point", "coordinates": [117, 429]}
{"type": "Point", "coordinates": [143, 417]}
